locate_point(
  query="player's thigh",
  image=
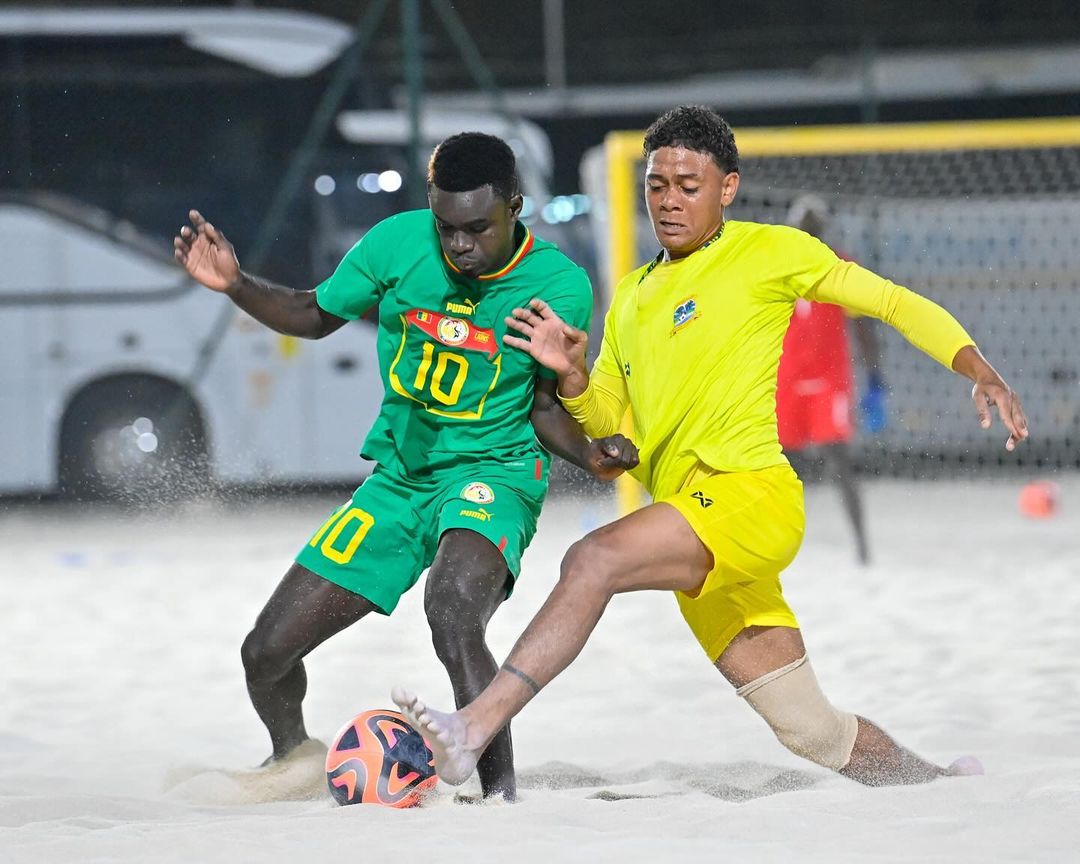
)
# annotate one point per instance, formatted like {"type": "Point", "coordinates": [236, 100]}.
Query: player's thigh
{"type": "Point", "coordinates": [305, 610]}
{"type": "Point", "coordinates": [651, 548]}
{"type": "Point", "coordinates": [485, 523]}
{"type": "Point", "coordinates": [468, 579]}
{"type": "Point", "coordinates": [752, 523]}
{"type": "Point", "coordinates": [376, 543]}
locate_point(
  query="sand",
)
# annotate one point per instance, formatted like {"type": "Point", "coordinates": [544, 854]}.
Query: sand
{"type": "Point", "coordinates": [121, 686]}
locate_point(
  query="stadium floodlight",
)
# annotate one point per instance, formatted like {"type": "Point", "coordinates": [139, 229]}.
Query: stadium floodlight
{"type": "Point", "coordinates": [285, 43]}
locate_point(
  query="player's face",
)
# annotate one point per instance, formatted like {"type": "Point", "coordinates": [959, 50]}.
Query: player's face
{"type": "Point", "coordinates": [476, 228]}
{"type": "Point", "coordinates": [686, 193]}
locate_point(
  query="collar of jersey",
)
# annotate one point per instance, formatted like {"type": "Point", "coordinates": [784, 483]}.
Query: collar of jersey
{"type": "Point", "coordinates": [659, 259]}
{"type": "Point", "coordinates": [523, 249]}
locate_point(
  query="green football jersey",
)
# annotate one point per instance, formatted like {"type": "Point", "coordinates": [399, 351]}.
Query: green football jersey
{"type": "Point", "coordinates": [453, 392]}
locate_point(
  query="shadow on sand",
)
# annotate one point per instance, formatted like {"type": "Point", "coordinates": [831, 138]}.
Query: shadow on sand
{"type": "Point", "coordinates": [733, 781]}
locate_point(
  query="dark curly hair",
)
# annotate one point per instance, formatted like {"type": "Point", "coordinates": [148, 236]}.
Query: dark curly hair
{"type": "Point", "coordinates": [695, 127]}
{"type": "Point", "coordinates": [470, 160]}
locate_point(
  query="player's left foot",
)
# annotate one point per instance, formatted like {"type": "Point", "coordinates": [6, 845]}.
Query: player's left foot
{"type": "Point", "coordinates": [965, 766]}
{"type": "Point", "coordinates": [445, 734]}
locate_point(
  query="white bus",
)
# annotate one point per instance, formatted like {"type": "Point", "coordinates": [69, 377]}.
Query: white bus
{"type": "Point", "coordinates": [100, 333]}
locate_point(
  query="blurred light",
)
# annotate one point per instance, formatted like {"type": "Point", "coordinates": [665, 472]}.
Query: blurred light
{"type": "Point", "coordinates": [368, 182]}
{"type": "Point", "coordinates": [142, 425]}
{"type": "Point", "coordinates": [147, 442]}
{"type": "Point", "coordinates": [389, 180]}
{"type": "Point", "coordinates": [528, 206]}
{"type": "Point", "coordinates": [325, 185]}
{"type": "Point", "coordinates": [582, 204]}
{"type": "Point", "coordinates": [518, 146]}
{"type": "Point", "coordinates": [558, 209]}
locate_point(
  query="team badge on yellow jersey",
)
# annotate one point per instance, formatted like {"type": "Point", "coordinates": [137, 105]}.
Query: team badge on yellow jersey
{"type": "Point", "coordinates": [685, 313]}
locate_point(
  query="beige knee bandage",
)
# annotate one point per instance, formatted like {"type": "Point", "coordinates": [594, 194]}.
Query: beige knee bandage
{"type": "Point", "coordinates": [791, 702]}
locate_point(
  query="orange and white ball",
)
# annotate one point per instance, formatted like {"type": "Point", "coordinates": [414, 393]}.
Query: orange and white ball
{"type": "Point", "coordinates": [378, 758]}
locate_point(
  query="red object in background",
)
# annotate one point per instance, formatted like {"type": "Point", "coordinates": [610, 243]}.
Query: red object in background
{"type": "Point", "coordinates": [1039, 499]}
{"type": "Point", "coordinates": [815, 383]}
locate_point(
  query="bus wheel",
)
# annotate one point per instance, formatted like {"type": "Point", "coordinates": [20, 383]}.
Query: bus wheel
{"type": "Point", "coordinates": [133, 439]}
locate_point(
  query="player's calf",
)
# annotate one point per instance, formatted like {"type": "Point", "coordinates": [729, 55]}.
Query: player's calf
{"type": "Point", "coordinates": [790, 700]}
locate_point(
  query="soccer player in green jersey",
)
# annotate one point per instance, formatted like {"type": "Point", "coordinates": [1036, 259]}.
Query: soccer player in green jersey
{"type": "Point", "coordinates": [461, 442]}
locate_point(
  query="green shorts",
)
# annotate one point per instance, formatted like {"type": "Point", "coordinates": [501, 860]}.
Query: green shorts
{"type": "Point", "coordinates": [378, 542]}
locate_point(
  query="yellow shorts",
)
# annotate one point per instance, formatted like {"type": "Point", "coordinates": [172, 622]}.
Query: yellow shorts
{"type": "Point", "coordinates": [752, 522]}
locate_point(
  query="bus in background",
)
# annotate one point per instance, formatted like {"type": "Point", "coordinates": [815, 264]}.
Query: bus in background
{"type": "Point", "coordinates": [100, 334]}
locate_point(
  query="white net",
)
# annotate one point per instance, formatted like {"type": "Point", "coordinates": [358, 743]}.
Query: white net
{"type": "Point", "coordinates": [991, 234]}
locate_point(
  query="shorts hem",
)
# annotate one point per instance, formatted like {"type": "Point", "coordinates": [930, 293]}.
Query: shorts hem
{"type": "Point", "coordinates": [720, 643]}
{"type": "Point", "coordinates": [502, 543]}
{"type": "Point", "coordinates": [381, 605]}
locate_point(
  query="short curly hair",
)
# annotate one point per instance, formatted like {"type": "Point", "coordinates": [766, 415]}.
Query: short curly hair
{"type": "Point", "coordinates": [470, 160]}
{"type": "Point", "coordinates": [695, 127]}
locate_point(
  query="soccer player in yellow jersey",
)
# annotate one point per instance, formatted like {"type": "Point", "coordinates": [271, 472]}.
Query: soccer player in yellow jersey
{"type": "Point", "coordinates": [691, 345]}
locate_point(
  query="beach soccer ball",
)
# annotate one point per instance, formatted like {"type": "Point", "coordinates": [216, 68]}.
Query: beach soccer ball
{"type": "Point", "coordinates": [378, 758]}
{"type": "Point", "coordinates": [1039, 499]}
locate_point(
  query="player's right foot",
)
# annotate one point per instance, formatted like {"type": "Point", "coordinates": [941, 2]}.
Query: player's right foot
{"type": "Point", "coordinates": [965, 766]}
{"type": "Point", "coordinates": [445, 734]}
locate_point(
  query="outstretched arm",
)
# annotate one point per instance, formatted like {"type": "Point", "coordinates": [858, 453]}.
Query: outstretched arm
{"type": "Point", "coordinates": [930, 328]}
{"type": "Point", "coordinates": [209, 258]}
{"type": "Point", "coordinates": [604, 458]}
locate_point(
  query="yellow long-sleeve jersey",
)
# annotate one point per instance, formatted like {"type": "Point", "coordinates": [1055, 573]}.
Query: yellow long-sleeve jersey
{"type": "Point", "coordinates": [693, 345]}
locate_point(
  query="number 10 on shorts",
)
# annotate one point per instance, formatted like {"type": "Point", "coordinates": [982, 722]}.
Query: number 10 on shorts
{"type": "Point", "coordinates": [340, 522]}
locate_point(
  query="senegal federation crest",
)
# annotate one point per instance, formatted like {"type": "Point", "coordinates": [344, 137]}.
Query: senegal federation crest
{"type": "Point", "coordinates": [453, 331]}
{"type": "Point", "coordinates": [478, 493]}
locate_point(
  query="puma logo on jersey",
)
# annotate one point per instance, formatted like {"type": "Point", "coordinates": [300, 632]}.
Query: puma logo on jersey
{"type": "Point", "coordinates": [465, 308]}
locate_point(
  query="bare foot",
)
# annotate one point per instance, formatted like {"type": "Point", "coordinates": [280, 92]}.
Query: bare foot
{"type": "Point", "coordinates": [965, 766]}
{"type": "Point", "coordinates": [455, 761]}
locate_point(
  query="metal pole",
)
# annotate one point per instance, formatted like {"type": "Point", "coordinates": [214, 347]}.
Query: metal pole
{"type": "Point", "coordinates": [412, 51]}
{"type": "Point", "coordinates": [298, 169]}
{"type": "Point", "coordinates": [479, 70]}
{"type": "Point", "coordinates": [23, 163]}
{"type": "Point", "coordinates": [555, 45]}
{"type": "Point", "coordinates": [470, 53]}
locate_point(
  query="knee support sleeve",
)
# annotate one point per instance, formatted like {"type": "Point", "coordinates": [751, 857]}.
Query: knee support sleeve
{"type": "Point", "coordinates": [790, 700]}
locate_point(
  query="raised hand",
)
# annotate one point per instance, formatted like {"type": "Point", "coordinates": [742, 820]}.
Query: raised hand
{"type": "Point", "coordinates": [207, 256]}
{"type": "Point", "coordinates": [547, 338]}
{"type": "Point", "coordinates": [609, 457]}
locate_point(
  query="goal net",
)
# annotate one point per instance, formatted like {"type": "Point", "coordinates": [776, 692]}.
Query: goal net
{"type": "Point", "coordinates": [982, 217]}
